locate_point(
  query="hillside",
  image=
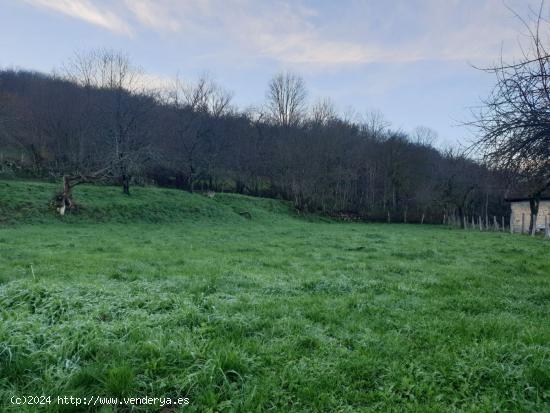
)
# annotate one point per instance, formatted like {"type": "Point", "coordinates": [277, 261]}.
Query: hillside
{"type": "Point", "coordinates": [29, 202]}
{"type": "Point", "coordinates": [339, 164]}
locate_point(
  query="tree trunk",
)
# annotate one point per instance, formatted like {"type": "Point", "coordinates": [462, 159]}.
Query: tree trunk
{"type": "Point", "coordinates": [126, 184]}
{"type": "Point", "coordinates": [191, 182]}
{"type": "Point", "coordinates": [64, 202]}
{"type": "Point", "coordinates": [180, 180]}
{"type": "Point", "coordinates": [461, 216]}
{"type": "Point", "coordinates": [66, 187]}
{"type": "Point", "coordinates": [124, 178]}
{"type": "Point", "coordinates": [487, 212]}
{"type": "Point", "coordinates": [239, 186]}
{"type": "Point", "coordinates": [66, 198]}
{"type": "Point", "coordinates": [534, 206]}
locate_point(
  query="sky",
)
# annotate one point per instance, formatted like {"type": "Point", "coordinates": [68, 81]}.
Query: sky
{"type": "Point", "coordinates": [411, 60]}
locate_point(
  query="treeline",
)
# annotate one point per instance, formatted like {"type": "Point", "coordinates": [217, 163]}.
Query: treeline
{"type": "Point", "coordinates": [98, 120]}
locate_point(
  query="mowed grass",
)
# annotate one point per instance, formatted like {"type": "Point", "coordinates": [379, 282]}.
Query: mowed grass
{"type": "Point", "coordinates": [170, 294]}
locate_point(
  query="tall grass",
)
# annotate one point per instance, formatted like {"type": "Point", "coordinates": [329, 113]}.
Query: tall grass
{"type": "Point", "coordinates": [271, 313]}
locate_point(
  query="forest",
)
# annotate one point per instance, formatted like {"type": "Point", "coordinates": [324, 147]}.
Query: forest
{"type": "Point", "coordinates": [97, 121]}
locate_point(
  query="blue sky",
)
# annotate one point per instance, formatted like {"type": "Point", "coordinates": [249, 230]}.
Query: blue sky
{"type": "Point", "coordinates": [409, 59]}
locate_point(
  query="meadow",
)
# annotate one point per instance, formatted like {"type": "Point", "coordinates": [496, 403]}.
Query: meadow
{"type": "Point", "coordinates": [242, 305]}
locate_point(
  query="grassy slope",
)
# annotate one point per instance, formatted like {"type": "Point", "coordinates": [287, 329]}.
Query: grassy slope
{"type": "Point", "coordinates": [268, 313]}
{"type": "Point", "coordinates": [28, 202]}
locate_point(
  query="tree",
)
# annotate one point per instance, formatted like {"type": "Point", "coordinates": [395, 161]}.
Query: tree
{"type": "Point", "coordinates": [374, 124]}
{"type": "Point", "coordinates": [124, 107]}
{"type": "Point", "coordinates": [203, 96]}
{"type": "Point", "coordinates": [424, 136]}
{"type": "Point", "coordinates": [9, 118]}
{"type": "Point", "coordinates": [460, 179]}
{"type": "Point", "coordinates": [286, 99]}
{"type": "Point", "coordinates": [102, 69]}
{"type": "Point", "coordinates": [196, 110]}
{"type": "Point", "coordinates": [514, 122]}
{"type": "Point", "coordinates": [323, 111]}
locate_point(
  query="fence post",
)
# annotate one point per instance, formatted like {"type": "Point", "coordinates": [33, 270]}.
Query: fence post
{"type": "Point", "coordinates": [495, 223]}
{"type": "Point", "coordinates": [502, 221]}
{"type": "Point", "coordinates": [534, 224]}
{"type": "Point", "coordinates": [512, 223]}
{"type": "Point", "coordinates": [389, 219]}
{"type": "Point", "coordinates": [480, 223]}
{"type": "Point", "coordinates": [523, 222]}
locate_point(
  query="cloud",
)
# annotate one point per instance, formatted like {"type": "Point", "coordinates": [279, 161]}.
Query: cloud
{"type": "Point", "coordinates": [154, 15]}
{"type": "Point", "coordinates": [285, 32]}
{"type": "Point", "coordinates": [313, 34]}
{"type": "Point", "coordinates": [86, 11]}
{"type": "Point", "coordinates": [362, 32]}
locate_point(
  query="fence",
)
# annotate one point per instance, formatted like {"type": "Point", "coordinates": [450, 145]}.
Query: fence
{"type": "Point", "coordinates": [500, 225]}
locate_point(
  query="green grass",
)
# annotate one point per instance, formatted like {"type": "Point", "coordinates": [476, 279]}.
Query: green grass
{"type": "Point", "coordinates": [170, 294]}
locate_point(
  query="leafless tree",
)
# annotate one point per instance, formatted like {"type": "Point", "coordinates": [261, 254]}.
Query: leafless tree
{"type": "Point", "coordinates": [374, 123]}
{"type": "Point", "coordinates": [103, 68]}
{"type": "Point", "coordinates": [424, 136]}
{"type": "Point", "coordinates": [7, 119]}
{"type": "Point", "coordinates": [514, 122]}
{"type": "Point", "coordinates": [286, 99]}
{"type": "Point", "coordinates": [195, 110]}
{"type": "Point", "coordinates": [124, 108]}
{"type": "Point", "coordinates": [323, 111]}
{"type": "Point", "coordinates": [203, 96]}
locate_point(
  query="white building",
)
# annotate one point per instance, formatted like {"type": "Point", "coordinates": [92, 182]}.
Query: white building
{"type": "Point", "coordinates": [521, 214]}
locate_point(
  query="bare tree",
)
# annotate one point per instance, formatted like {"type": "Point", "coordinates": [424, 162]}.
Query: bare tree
{"type": "Point", "coordinates": [7, 120]}
{"type": "Point", "coordinates": [460, 180]}
{"type": "Point", "coordinates": [195, 110]}
{"type": "Point", "coordinates": [424, 136]}
{"type": "Point", "coordinates": [286, 99]}
{"type": "Point", "coordinates": [323, 111]}
{"type": "Point", "coordinates": [103, 68]}
{"type": "Point", "coordinates": [203, 96]}
{"type": "Point", "coordinates": [374, 123]}
{"type": "Point", "coordinates": [123, 109]}
{"type": "Point", "coordinates": [514, 123]}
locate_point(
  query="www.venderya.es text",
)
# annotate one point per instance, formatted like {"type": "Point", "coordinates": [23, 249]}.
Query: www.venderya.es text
{"type": "Point", "coordinates": [100, 401]}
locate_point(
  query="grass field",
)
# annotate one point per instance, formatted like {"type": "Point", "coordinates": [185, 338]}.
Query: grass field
{"type": "Point", "coordinates": [170, 294]}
